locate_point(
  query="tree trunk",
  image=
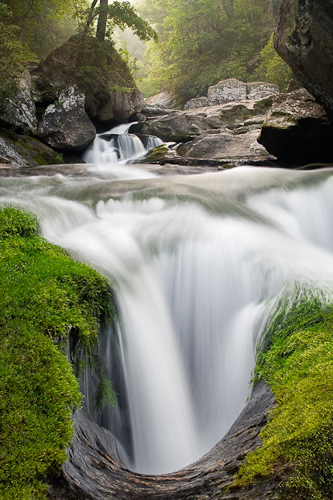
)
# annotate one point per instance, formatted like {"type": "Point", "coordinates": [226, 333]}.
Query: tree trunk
{"type": "Point", "coordinates": [90, 16]}
{"type": "Point", "coordinates": [102, 20]}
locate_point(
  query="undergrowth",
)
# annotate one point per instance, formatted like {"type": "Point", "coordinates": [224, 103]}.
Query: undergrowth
{"type": "Point", "coordinates": [46, 300]}
{"type": "Point", "coordinates": [296, 361]}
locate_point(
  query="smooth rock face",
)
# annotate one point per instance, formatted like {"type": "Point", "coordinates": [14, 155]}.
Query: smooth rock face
{"type": "Point", "coordinates": [304, 39]}
{"type": "Point", "coordinates": [227, 91]}
{"type": "Point", "coordinates": [93, 470]}
{"type": "Point", "coordinates": [65, 124]}
{"type": "Point", "coordinates": [186, 125]}
{"type": "Point", "coordinates": [108, 97]}
{"type": "Point", "coordinates": [164, 100]}
{"type": "Point", "coordinates": [197, 102]}
{"type": "Point", "coordinates": [298, 130]}
{"type": "Point", "coordinates": [20, 111]}
{"type": "Point", "coordinates": [223, 146]}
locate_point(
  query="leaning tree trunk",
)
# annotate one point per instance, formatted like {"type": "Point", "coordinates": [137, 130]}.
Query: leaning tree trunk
{"type": "Point", "coordinates": [102, 20]}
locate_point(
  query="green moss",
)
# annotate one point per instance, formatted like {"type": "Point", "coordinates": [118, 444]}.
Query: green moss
{"type": "Point", "coordinates": [157, 154]}
{"type": "Point", "coordinates": [46, 300]}
{"type": "Point", "coordinates": [296, 360]}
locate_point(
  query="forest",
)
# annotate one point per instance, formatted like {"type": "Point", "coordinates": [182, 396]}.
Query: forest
{"type": "Point", "coordinates": [179, 46]}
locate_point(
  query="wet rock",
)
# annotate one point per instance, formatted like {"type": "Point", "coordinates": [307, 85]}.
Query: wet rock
{"type": "Point", "coordinates": [163, 100]}
{"type": "Point", "coordinates": [20, 111]}
{"type": "Point", "coordinates": [65, 124]}
{"type": "Point", "coordinates": [197, 102]}
{"type": "Point", "coordinates": [304, 39]}
{"type": "Point", "coordinates": [297, 129]}
{"type": "Point", "coordinates": [25, 151]}
{"type": "Point", "coordinates": [94, 471]}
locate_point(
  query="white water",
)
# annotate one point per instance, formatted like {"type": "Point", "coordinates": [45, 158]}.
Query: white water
{"type": "Point", "coordinates": [195, 278]}
{"type": "Point", "coordinates": [117, 145]}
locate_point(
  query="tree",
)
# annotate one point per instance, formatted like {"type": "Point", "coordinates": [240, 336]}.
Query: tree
{"type": "Point", "coordinates": [119, 14]}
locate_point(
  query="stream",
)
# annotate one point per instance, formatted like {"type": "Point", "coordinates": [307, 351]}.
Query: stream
{"type": "Point", "coordinates": [198, 264]}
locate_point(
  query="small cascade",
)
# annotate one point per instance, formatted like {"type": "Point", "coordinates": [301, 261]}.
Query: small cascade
{"type": "Point", "coordinates": [118, 146]}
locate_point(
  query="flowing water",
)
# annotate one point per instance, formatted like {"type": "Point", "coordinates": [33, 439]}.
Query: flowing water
{"type": "Point", "coordinates": [117, 145]}
{"type": "Point", "coordinates": [197, 264]}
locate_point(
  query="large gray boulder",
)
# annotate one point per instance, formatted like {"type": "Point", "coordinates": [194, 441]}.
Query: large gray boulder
{"type": "Point", "coordinates": [102, 77]}
{"type": "Point", "coordinates": [297, 129]}
{"type": "Point", "coordinates": [304, 39]}
{"type": "Point", "coordinates": [227, 91]}
{"type": "Point", "coordinates": [197, 102]}
{"type": "Point", "coordinates": [65, 125]}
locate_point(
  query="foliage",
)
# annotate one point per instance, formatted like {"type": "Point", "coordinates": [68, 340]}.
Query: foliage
{"type": "Point", "coordinates": [297, 362]}
{"type": "Point", "coordinates": [272, 68]}
{"type": "Point", "coordinates": [42, 25]}
{"type": "Point", "coordinates": [205, 41]}
{"type": "Point", "coordinates": [46, 300]}
{"type": "Point", "coordinates": [11, 55]}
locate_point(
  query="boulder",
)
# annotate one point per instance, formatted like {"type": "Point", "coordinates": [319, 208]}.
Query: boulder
{"type": "Point", "coordinates": [65, 124]}
{"type": "Point", "coordinates": [20, 111]}
{"type": "Point", "coordinates": [227, 91]}
{"type": "Point", "coordinates": [164, 100]}
{"type": "Point", "coordinates": [197, 102]}
{"type": "Point", "coordinates": [224, 146]}
{"type": "Point", "coordinates": [304, 39]}
{"type": "Point", "coordinates": [108, 86]}
{"type": "Point", "coordinates": [260, 90]}
{"type": "Point", "coordinates": [297, 129]}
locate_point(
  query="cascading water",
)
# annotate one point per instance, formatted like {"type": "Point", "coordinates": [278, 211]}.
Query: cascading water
{"type": "Point", "coordinates": [117, 145]}
{"type": "Point", "coordinates": [198, 264]}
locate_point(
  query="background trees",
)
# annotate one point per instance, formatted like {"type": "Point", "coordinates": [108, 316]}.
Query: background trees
{"type": "Point", "coordinates": [204, 41]}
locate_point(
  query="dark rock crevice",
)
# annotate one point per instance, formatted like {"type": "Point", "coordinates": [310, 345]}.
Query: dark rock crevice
{"type": "Point", "coordinates": [94, 470]}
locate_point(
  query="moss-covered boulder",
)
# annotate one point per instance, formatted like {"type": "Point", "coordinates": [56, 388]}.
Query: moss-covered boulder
{"type": "Point", "coordinates": [47, 302]}
{"type": "Point", "coordinates": [97, 71]}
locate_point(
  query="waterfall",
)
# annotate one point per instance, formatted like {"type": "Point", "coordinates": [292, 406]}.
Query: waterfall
{"type": "Point", "coordinates": [117, 145]}
{"type": "Point", "coordinates": [198, 264]}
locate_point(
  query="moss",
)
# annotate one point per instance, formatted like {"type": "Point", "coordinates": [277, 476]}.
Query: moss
{"type": "Point", "coordinates": [46, 300]}
{"type": "Point", "coordinates": [157, 154]}
{"type": "Point", "coordinates": [296, 360]}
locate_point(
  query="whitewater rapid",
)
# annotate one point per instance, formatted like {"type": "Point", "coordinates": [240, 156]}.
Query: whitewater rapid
{"type": "Point", "coordinates": [197, 264]}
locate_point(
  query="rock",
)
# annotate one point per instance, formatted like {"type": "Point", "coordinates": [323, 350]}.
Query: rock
{"type": "Point", "coordinates": [164, 100]}
{"type": "Point", "coordinates": [304, 39]}
{"type": "Point", "coordinates": [25, 151]}
{"type": "Point", "coordinates": [223, 146]}
{"type": "Point", "coordinates": [109, 90]}
{"type": "Point", "coordinates": [95, 472]}
{"type": "Point", "coordinates": [197, 102]}
{"type": "Point", "coordinates": [185, 125]}
{"type": "Point", "coordinates": [20, 111]}
{"type": "Point", "coordinates": [298, 130]}
{"type": "Point", "coordinates": [260, 90]}
{"type": "Point", "coordinates": [65, 124]}
{"type": "Point", "coordinates": [230, 90]}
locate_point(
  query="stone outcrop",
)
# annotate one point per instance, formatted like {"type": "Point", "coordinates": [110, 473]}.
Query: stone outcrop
{"type": "Point", "coordinates": [94, 471]}
{"type": "Point", "coordinates": [297, 129]}
{"type": "Point", "coordinates": [20, 111]}
{"type": "Point", "coordinates": [65, 124]}
{"type": "Point", "coordinates": [304, 39]}
{"type": "Point", "coordinates": [186, 125]}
